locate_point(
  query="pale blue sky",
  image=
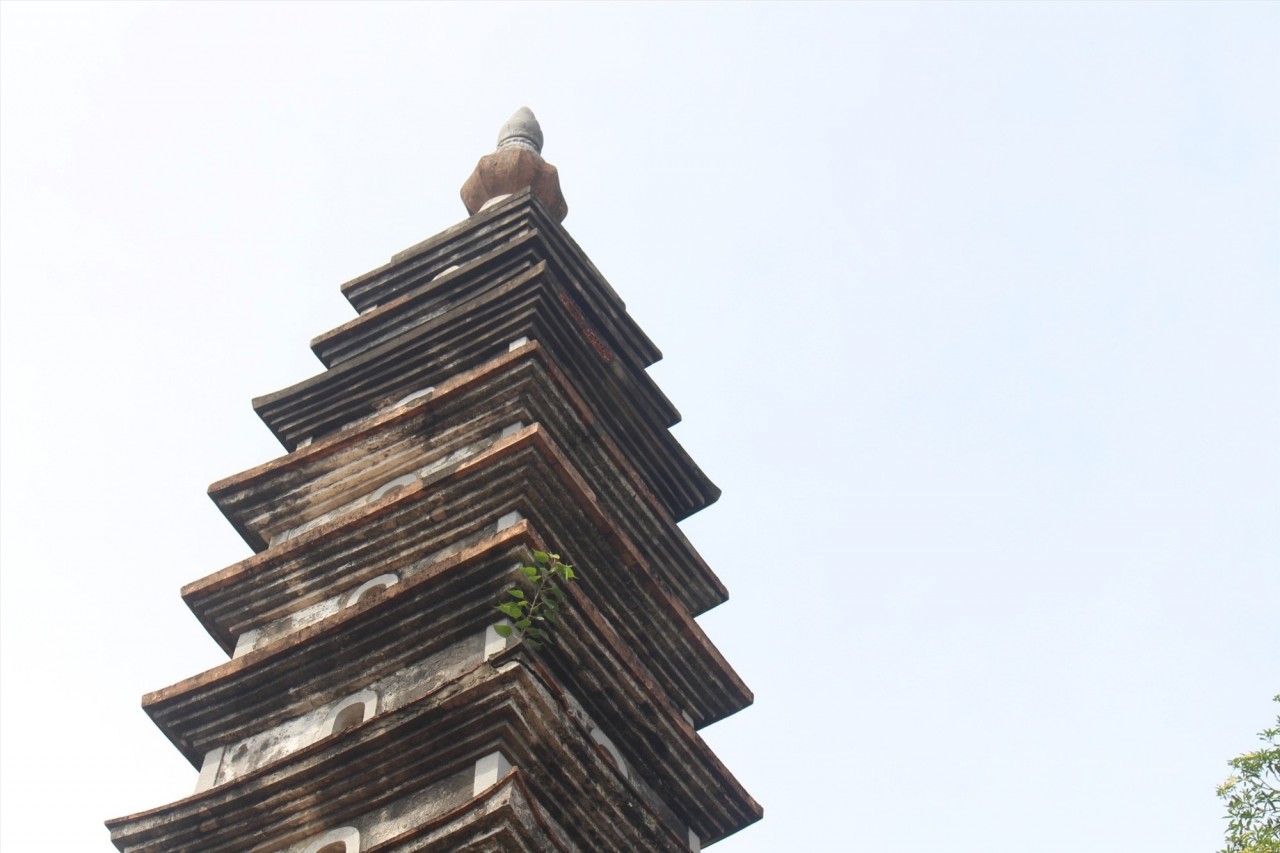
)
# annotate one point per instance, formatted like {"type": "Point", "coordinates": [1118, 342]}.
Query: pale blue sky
{"type": "Point", "coordinates": [973, 311]}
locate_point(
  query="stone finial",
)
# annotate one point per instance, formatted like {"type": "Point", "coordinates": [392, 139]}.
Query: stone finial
{"type": "Point", "coordinates": [521, 129]}
{"type": "Point", "coordinates": [516, 164]}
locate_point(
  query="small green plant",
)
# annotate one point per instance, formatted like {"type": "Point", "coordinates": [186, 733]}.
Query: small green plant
{"type": "Point", "coordinates": [534, 606]}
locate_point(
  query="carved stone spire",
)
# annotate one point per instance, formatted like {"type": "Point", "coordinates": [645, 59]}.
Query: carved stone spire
{"type": "Point", "coordinates": [515, 165]}
{"type": "Point", "coordinates": [521, 129]}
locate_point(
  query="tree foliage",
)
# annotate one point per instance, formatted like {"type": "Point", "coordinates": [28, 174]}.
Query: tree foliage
{"type": "Point", "coordinates": [1252, 795]}
{"type": "Point", "coordinates": [534, 605]}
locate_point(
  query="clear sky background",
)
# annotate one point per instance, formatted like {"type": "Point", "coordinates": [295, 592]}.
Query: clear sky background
{"type": "Point", "coordinates": [973, 311]}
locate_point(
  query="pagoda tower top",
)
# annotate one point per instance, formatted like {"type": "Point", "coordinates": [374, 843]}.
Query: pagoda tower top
{"type": "Point", "coordinates": [521, 129]}
{"type": "Point", "coordinates": [516, 164]}
{"type": "Point", "coordinates": [489, 399]}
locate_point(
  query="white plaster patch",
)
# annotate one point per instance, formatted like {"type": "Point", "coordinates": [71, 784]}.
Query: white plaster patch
{"type": "Point", "coordinates": [291, 622]}
{"type": "Point", "coordinates": [422, 392]}
{"type": "Point", "coordinates": [365, 700]}
{"type": "Point", "coordinates": [489, 770]}
{"type": "Point", "coordinates": [454, 457]}
{"type": "Point", "coordinates": [517, 343]}
{"type": "Point", "coordinates": [512, 429]}
{"type": "Point", "coordinates": [393, 485]}
{"type": "Point", "coordinates": [209, 769]}
{"type": "Point", "coordinates": [493, 641]}
{"type": "Point", "coordinates": [695, 843]}
{"type": "Point", "coordinates": [603, 739]}
{"type": "Point", "coordinates": [245, 642]}
{"type": "Point", "coordinates": [347, 836]}
{"type": "Point", "coordinates": [445, 271]}
{"type": "Point", "coordinates": [491, 202]}
{"type": "Point", "coordinates": [509, 519]}
{"type": "Point", "coordinates": [380, 582]}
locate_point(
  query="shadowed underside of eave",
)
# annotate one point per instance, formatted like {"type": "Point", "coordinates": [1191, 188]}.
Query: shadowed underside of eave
{"type": "Point", "coordinates": [504, 819]}
{"type": "Point", "coordinates": [532, 305]}
{"type": "Point", "coordinates": [479, 236]}
{"type": "Point", "coordinates": [527, 473]}
{"type": "Point", "coordinates": [499, 706]}
{"type": "Point", "coordinates": [430, 610]}
{"type": "Point", "coordinates": [523, 386]}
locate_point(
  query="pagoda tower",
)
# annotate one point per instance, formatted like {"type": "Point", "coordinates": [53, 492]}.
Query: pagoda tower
{"type": "Point", "coordinates": [488, 402]}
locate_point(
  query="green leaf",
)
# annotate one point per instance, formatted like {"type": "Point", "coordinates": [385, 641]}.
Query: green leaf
{"type": "Point", "coordinates": [516, 593]}
{"type": "Point", "coordinates": [502, 630]}
{"type": "Point", "coordinates": [529, 571]}
{"type": "Point", "coordinates": [511, 609]}
{"type": "Point", "coordinates": [523, 624]}
{"type": "Point", "coordinates": [534, 644]}
{"type": "Point", "coordinates": [542, 557]}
